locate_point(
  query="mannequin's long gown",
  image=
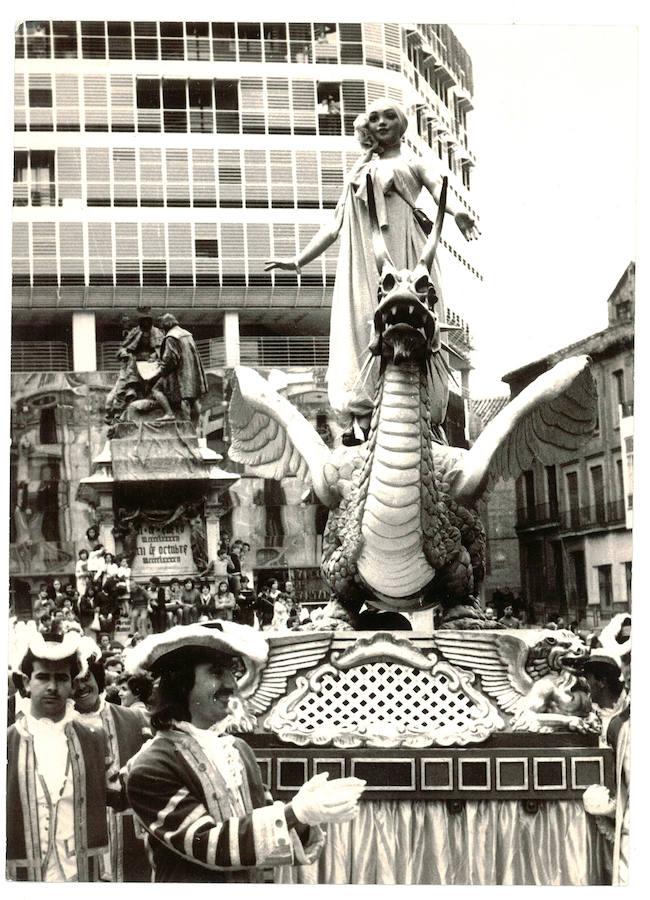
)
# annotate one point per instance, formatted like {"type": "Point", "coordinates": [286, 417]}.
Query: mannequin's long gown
{"type": "Point", "coordinates": [351, 391]}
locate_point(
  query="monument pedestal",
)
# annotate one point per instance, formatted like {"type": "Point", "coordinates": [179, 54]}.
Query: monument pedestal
{"type": "Point", "coordinates": [158, 489]}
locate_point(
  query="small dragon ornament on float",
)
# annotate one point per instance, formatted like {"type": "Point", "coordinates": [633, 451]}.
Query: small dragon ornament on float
{"type": "Point", "coordinates": [404, 531]}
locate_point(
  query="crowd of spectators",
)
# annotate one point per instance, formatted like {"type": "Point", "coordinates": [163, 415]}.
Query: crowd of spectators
{"type": "Point", "coordinates": [104, 600]}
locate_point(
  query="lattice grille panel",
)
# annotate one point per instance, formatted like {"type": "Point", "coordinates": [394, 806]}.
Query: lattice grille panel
{"type": "Point", "coordinates": [388, 693]}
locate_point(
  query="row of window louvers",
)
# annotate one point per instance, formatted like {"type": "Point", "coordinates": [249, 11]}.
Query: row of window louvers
{"type": "Point", "coordinates": [282, 179]}
{"type": "Point", "coordinates": [450, 51]}
{"type": "Point", "coordinates": [173, 253]}
{"type": "Point", "coordinates": [376, 44]}
{"type": "Point", "coordinates": [44, 102]}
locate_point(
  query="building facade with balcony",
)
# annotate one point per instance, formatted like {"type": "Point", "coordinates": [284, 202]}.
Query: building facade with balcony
{"type": "Point", "coordinates": [502, 582]}
{"type": "Point", "coordinates": [159, 163]}
{"type": "Point", "coordinates": [574, 520]}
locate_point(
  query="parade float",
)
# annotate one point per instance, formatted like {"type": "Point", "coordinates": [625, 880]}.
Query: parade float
{"type": "Point", "coordinates": [476, 743]}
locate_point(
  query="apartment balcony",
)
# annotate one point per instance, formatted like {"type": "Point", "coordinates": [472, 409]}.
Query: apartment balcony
{"type": "Point", "coordinates": [539, 516]}
{"type": "Point", "coordinates": [593, 517]}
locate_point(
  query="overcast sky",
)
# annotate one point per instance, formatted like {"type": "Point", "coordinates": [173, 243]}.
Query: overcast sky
{"type": "Point", "coordinates": [555, 132]}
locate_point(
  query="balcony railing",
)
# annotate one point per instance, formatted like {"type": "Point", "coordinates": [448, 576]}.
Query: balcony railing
{"type": "Point", "coordinates": [40, 356]}
{"type": "Point", "coordinates": [588, 516]}
{"type": "Point", "coordinates": [267, 352]}
{"type": "Point", "coordinates": [540, 514]}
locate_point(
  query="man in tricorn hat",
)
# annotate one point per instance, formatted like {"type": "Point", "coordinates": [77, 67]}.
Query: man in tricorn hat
{"type": "Point", "coordinates": [57, 786]}
{"type": "Point", "coordinates": [197, 791]}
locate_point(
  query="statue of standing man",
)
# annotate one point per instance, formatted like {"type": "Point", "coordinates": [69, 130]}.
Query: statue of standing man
{"type": "Point", "coordinates": [182, 376]}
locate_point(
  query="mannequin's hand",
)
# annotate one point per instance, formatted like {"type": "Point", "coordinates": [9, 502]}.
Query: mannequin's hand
{"type": "Point", "coordinates": [467, 226]}
{"type": "Point", "coordinates": [281, 263]}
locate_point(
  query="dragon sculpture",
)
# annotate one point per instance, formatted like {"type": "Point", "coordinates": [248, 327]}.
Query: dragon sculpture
{"type": "Point", "coordinates": [404, 531]}
{"type": "Point", "coordinates": [533, 677]}
{"type": "Point", "coordinates": [535, 680]}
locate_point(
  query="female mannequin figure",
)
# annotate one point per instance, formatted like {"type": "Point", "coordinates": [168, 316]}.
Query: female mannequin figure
{"type": "Point", "coordinates": [398, 177]}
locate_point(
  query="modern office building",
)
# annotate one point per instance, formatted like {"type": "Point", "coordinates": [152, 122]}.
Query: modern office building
{"type": "Point", "coordinates": [574, 521]}
{"type": "Point", "coordinates": [159, 163]}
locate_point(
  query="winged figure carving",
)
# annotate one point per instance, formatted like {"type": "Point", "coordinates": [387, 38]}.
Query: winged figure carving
{"type": "Point", "coordinates": [404, 532]}
{"type": "Point", "coordinates": [533, 676]}
{"type": "Point", "coordinates": [288, 654]}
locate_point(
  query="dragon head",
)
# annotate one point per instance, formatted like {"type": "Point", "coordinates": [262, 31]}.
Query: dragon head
{"type": "Point", "coordinates": [406, 327]}
{"type": "Point", "coordinates": [562, 651]}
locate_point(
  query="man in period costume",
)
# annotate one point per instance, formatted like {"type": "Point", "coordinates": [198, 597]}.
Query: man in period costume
{"type": "Point", "coordinates": [57, 784]}
{"type": "Point", "coordinates": [197, 791]}
{"type": "Point", "coordinates": [181, 368]}
{"type": "Point", "coordinates": [125, 731]}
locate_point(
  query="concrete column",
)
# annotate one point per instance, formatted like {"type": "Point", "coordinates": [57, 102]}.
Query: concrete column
{"type": "Point", "coordinates": [212, 535]}
{"type": "Point", "coordinates": [84, 342]}
{"type": "Point", "coordinates": [231, 337]}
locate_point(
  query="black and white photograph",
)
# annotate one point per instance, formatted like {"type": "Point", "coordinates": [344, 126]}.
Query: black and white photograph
{"type": "Point", "coordinates": [320, 366]}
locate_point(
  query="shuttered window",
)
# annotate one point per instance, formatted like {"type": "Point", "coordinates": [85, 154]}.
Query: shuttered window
{"type": "Point", "coordinates": [148, 99]}
{"type": "Point", "coordinates": [206, 254]}
{"type": "Point", "coordinates": [177, 178]}
{"type": "Point", "coordinates": [93, 40]}
{"type": "Point", "coordinates": [44, 255]}
{"type": "Point", "coordinates": [40, 103]}
{"type": "Point", "coordinates": [100, 253]}
{"type": "Point", "coordinates": [256, 179]}
{"type": "Point", "coordinates": [20, 251]}
{"type": "Point", "coordinates": [204, 185]}
{"type": "Point", "coordinates": [253, 105]}
{"type": "Point", "coordinates": [282, 179]}
{"type": "Point", "coordinates": [151, 177]}
{"type": "Point", "coordinates": [258, 241]}
{"type": "Point", "coordinates": [20, 118]}
{"type": "Point", "coordinates": [124, 178]}
{"type": "Point", "coordinates": [307, 179]}
{"type": "Point", "coordinates": [331, 178]}
{"type": "Point", "coordinates": [67, 102]}
{"type": "Point", "coordinates": [180, 254]}
{"type": "Point", "coordinates": [68, 173]}
{"type": "Point", "coordinates": [353, 94]}
{"type": "Point", "coordinates": [233, 254]}
{"type": "Point", "coordinates": [127, 254]}
{"type": "Point", "coordinates": [122, 103]}
{"type": "Point", "coordinates": [154, 254]}
{"type": "Point", "coordinates": [278, 105]}
{"type": "Point", "coordinates": [71, 253]}
{"type": "Point", "coordinates": [304, 106]}
{"type": "Point", "coordinates": [98, 177]}
{"type": "Point", "coordinates": [95, 103]}
{"type": "Point", "coordinates": [230, 187]}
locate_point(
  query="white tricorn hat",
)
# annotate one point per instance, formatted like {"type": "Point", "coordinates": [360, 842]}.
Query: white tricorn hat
{"type": "Point", "coordinates": [223, 637]}
{"type": "Point", "coordinates": [61, 647]}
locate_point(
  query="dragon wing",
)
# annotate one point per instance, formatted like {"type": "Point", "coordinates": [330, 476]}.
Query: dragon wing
{"type": "Point", "coordinates": [499, 660]}
{"type": "Point", "coordinates": [287, 654]}
{"type": "Point", "coordinates": [269, 435]}
{"type": "Point", "coordinates": [548, 421]}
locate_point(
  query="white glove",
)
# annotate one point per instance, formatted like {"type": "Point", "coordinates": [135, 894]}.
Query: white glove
{"type": "Point", "coordinates": [598, 802]}
{"type": "Point", "coordinates": [320, 800]}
